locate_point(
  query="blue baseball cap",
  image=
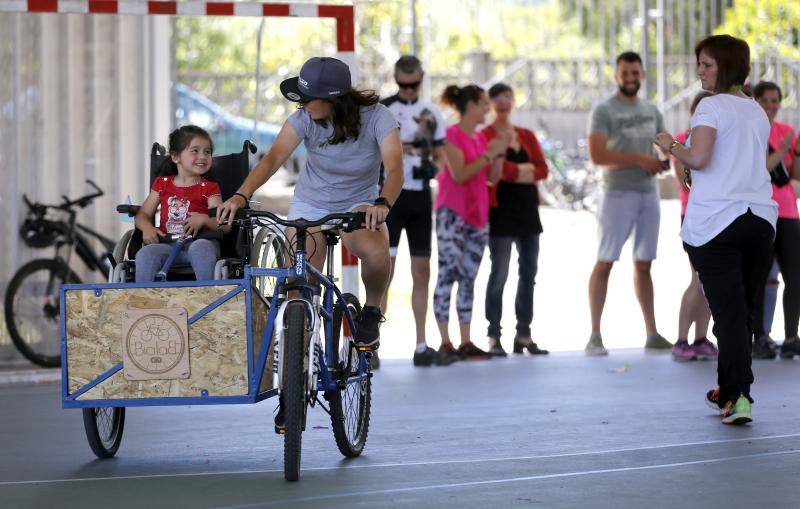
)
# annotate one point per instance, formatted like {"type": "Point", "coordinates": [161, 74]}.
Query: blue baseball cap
{"type": "Point", "coordinates": [320, 78]}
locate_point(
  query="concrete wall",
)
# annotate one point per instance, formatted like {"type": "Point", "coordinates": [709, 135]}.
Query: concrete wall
{"type": "Point", "coordinates": [82, 97]}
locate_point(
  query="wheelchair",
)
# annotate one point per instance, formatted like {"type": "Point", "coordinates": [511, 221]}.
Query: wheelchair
{"type": "Point", "coordinates": [263, 248]}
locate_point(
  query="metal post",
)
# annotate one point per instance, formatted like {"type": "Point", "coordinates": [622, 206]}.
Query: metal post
{"type": "Point", "coordinates": [412, 5]}
{"type": "Point", "coordinates": [258, 82]}
{"type": "Point", "coordinates": [173, 71]}
{"type": "Point", "coordinates": [644, 43]}
{"type": "Point", "coordinates": [631, 10]}
{"type": "Point", "coordinates": [662, 71]}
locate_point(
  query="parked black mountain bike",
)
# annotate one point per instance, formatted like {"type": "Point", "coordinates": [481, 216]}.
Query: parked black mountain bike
{"type": "Point", "coordinates": [32, 296]}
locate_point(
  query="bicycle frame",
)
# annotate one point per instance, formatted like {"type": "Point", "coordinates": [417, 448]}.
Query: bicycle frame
{"type": "Point", "coordinates": [300, 273]}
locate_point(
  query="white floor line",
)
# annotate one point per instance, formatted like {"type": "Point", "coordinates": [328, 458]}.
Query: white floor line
{"type": "Point", "coordinates": [505, 480]}
{"type": "Point", "coordinates": [411, 464]}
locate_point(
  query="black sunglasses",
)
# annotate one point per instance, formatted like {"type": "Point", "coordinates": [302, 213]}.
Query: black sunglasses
{"type": "Point", "coordinates": [415, 84]}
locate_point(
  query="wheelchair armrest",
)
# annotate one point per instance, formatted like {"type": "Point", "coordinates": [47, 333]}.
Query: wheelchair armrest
{"type": "Point", "coordinates": [128, 209]}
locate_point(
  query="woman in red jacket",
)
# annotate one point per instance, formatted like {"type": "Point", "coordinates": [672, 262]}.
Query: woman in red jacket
{"type": "Point", "coordinates": [513, 219]}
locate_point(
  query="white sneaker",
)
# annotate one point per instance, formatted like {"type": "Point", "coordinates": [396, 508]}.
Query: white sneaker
{"type": "Point", "coordinates": [595, 345]}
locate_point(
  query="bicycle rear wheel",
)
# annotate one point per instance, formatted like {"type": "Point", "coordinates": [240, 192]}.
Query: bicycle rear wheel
{"type": "Point", "coordinates": [104, 428]}
{"type": "Point", "coordinates": [32, 310]}
{"type": "Point", "coordinates": [351, 405]}
{"type": "Point", "coordinates": [294, 398]}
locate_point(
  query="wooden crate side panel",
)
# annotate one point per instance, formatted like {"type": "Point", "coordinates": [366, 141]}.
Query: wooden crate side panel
{"type": "Point", "coordinates": [260, 311]}
{"type": "Point", "coordinates": [217, 342]}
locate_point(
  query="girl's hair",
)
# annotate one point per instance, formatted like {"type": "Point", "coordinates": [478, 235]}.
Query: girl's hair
{"type": "Point", "coordinates": [458, 97]}
{"type": "Point", "coordinates": [179, 140]}
{"type": "Point", "coordinates": [346, 115]}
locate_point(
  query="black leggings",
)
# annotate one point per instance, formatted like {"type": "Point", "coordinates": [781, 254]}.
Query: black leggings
{"type": "Point", "coordinates": [787, 254]}
{"type": "Point", "coordinates": [733, 269]}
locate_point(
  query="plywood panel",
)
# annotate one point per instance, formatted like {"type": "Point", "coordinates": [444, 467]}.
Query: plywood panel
{"type": "Point", "coordinates": [217, 342]}
{"type": "Point", "coordinates": [260, 311]}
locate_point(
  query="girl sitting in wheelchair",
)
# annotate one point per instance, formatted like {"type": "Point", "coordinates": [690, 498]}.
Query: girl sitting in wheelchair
{"type": "Point", "coordinates": [184, 195]}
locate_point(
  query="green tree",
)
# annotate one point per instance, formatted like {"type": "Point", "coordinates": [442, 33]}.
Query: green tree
{"type": "Point", "coordinates": [771, 27]}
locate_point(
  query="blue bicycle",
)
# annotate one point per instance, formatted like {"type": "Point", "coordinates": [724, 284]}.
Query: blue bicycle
{"type": "Point", "coordinates": [304, 364]}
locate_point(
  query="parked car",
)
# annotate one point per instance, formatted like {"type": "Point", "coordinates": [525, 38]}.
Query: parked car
{"type": "Point", "coordinates": [227, 130]}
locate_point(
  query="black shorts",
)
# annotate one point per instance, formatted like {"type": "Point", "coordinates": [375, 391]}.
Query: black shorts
{"type": "Point", "coordinates": [413, 211]}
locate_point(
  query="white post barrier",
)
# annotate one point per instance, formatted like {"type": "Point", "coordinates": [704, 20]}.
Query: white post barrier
{"type": "Point", "coordinates": [349, 261]}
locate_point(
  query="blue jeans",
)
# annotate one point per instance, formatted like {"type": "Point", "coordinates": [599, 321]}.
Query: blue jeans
{"type": "Point", "coordinates": [202, 254]}
{"type": "Point", "coordinates": [500, 252]}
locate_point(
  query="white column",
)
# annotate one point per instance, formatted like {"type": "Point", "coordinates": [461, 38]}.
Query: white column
{"type": "Point", "coordinates": [51, 89]}
{"type": "Point", "coordinates": [103, 132]}
{"type": "Point", "coordinates": [76, 96]}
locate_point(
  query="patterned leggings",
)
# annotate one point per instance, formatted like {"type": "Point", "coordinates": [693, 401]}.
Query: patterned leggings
{"type": "Point", "coordinates": [461, 248]}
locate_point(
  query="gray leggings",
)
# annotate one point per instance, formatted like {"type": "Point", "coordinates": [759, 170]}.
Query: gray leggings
{"type": "Point", "coordinates": [460, 247]}
{"type": "Point", "coordinates": [202, 254]}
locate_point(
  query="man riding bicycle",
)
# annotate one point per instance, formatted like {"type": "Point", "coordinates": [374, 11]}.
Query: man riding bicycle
{"type": "Point", "coordinates": [347, 134]}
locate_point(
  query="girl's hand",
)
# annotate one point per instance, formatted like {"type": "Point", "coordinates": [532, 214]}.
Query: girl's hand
{"type": "Point", "coordinates": [499, 145]}
{"type": "Point", "coordinates": [151, 235]}
{"type": "Point", "coordinates": [525, 173]}
{"type": "Point", "coordinates": [194, 223]}
{"type": "Point", "coordinates": [375, 217]}
{"type": "Point", "coordinates": [786, 143]}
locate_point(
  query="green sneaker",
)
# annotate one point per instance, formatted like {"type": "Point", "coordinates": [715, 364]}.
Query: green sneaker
{"type": "Point", "coordinates": [737, 413]}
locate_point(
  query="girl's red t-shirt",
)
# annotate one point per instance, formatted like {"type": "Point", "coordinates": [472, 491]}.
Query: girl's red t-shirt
{"type": "Point", "coordinates": [177, 202]}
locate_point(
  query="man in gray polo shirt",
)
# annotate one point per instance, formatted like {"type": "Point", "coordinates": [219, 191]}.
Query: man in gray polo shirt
{"type": "Point", "coordinates": [621, 131]}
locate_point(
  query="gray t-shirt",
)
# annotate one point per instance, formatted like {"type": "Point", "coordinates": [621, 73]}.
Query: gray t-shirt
{"type": "Point", "coordinates": [630, 128]}
{"type": "Point", "coordinates": [337, 177]}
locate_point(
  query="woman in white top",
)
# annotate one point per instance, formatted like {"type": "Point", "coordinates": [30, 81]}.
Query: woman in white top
{"type": "Point", "coordinates": [730, 219]}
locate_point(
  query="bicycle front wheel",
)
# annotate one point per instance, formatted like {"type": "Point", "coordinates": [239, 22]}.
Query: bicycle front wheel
{"type": "Point", "coordinates": [350, 406]}
{"type": "Point", "coordinates": [294, 398]}
{"type": "Point", "coordinates": [32, 310]}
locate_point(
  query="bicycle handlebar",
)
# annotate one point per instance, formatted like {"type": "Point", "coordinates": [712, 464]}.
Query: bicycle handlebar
{"type": "Point", "coordinates": [82, 202]}
{"type": "Point", "coordinates": [351, 221]}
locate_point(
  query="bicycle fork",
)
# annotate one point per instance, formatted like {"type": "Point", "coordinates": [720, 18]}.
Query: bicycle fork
{"type": "Point", "coordinates": [313, 348]}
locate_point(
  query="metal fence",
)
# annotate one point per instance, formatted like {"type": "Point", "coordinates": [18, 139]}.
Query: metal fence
{"type": "Point", "coordinates": [559, 91]}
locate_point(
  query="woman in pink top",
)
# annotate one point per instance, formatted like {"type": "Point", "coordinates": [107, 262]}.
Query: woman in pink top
{"type": "Point", "coordinates": [694, 308]}
{"type": "Point", "coordinates": [783, 166]}
{"type": "Point", "coordinates": [462, 211]}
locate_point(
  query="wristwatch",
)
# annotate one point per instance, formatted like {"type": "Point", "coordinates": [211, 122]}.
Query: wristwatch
{"type": "Point", "coordinates": [673, 145]}
{"type": "Point", "coordinates": [383, 201]}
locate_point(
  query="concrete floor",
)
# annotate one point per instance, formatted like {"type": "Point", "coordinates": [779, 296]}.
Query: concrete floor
{"type": "Point", "coordinates": [629, 430]}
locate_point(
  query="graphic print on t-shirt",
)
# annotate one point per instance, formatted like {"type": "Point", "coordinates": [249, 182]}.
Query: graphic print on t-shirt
{"type": "Point", "coordinates": [178, 212]}
{"type": "Point", "coordinates": [636, 126]}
